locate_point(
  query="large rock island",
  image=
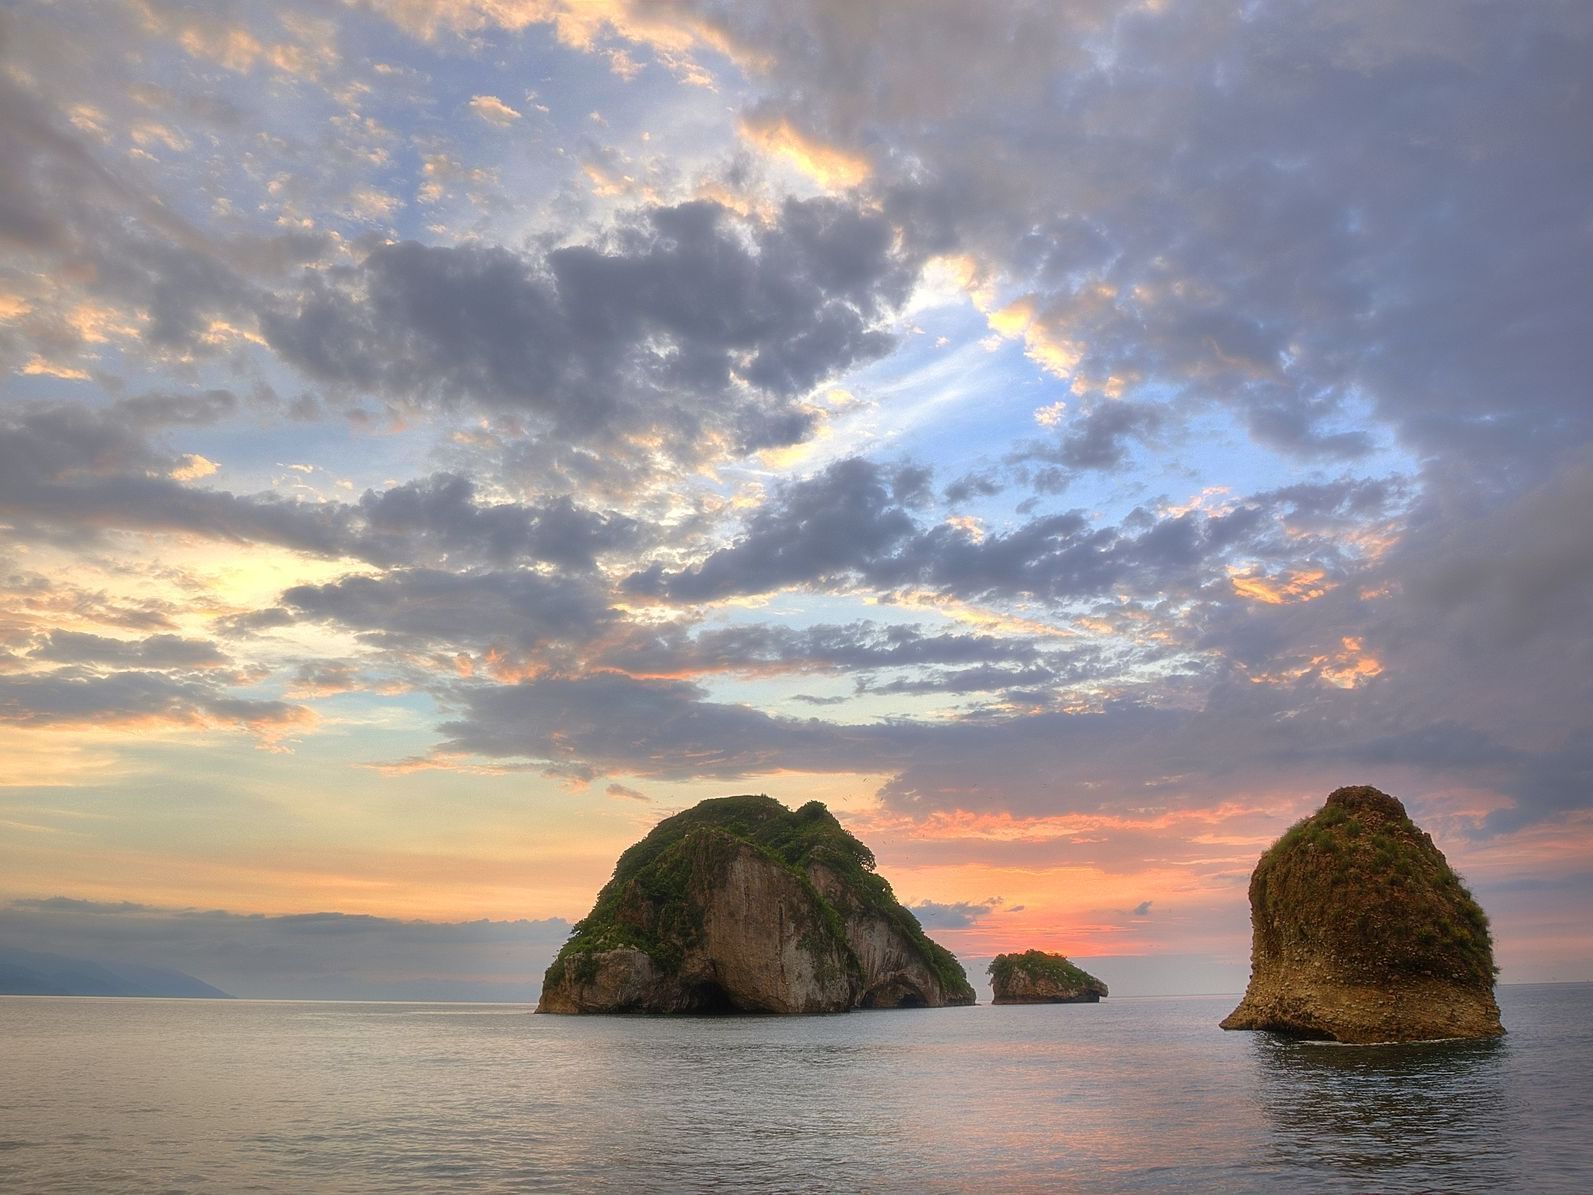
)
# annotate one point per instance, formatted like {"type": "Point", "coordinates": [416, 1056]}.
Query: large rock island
{"type": "Point", "coordinates": [1037, 977]}
{"type": "Point", "coordinates": [1363, 933]}
{"type": "Point", "coordinates": [741, 905]}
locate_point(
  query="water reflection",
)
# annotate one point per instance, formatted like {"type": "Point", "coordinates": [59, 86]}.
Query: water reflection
{"type": "Point", "coordinates": [1119, 1097]}
{"type": "Point", "coordinates": [714, 1103]}
{"type": "Point", "coordinates": [1439, 1110]}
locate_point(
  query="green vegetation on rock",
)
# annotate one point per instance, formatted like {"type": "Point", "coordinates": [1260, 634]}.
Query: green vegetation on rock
{"type": "Point", "coordinates": [650, 904]}
{"type": "Point", "coordinates": [1038, 977]}
{"type": "Point", "coordinates": [1362, 932]}
{"type": "Point", "coordinates": [1390, 904]}
{"type": "Point", "coordinates": [1037, 964]}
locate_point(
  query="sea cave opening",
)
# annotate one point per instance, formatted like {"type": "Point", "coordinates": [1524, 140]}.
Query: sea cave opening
{"type": "Point", "coordinates": [893, 995]}
{"type": "Point", "coordinates": [710, 1000]}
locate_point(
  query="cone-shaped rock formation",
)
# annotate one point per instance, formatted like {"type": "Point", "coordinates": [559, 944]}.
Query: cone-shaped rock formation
{"type": "Point", "coordinates": [1363, 933]}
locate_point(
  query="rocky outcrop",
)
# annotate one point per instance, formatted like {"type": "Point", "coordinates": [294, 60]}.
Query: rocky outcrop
{"type": "Point", "coordinates": [1363, 933]}
{"type": "Point", "coordinates": [741, 905]}
{"type": "Point", "coordinates": [1036, 977]}
{"type": "Point", "coordinates": [898, 967]}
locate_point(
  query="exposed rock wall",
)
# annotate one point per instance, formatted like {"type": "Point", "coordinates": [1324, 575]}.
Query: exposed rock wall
{"type": "Point", "coordinates": [766, 944]}
{"type": "Point", "coordinates": [892, 970]}
{"type": "Point", "coordinates": [620, 980]}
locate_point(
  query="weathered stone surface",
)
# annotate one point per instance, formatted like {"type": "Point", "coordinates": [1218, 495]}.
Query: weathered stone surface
{"type": "Point", "coordinates": [1038, 977]}
{"type": "Point", "coordinates": [895, 971]}
{"type": "Point", "coordinates": [762, 942]}
{"type": "Point", "coordinates": [619, 979]}
{"type": "Point", "coordinates": [739, 904]}
{"type": "Point", "coordinates": [1363, 933]}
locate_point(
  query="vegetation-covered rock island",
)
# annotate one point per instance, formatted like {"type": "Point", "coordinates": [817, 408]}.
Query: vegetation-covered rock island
{"type": "Point", "coordinates": [742, 905]}
{"type": "Point", "coordinates": [1036, 977]}
{"type": "Point", "coordinates": [1363, 933]}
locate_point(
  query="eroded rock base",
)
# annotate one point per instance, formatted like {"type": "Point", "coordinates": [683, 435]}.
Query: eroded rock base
{"type": "Point", "coordinates": [1424, 1011]}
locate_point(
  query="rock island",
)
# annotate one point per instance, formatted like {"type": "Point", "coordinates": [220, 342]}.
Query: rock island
{"type": "Point", "coordinates": [1036, 977]}
{"type": "Point", "coordinates": [742, 905]}
{"type": "Point", "coordinates": [1363, 933]}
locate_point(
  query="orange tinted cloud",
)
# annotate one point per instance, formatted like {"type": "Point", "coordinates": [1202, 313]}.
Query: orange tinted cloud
{"type": "Point", "coordinates": [827, 165]}
{"type": "Point", "coordinates": [1301, 585]}
{"type": "Point", "coordinates": [1350, 668]}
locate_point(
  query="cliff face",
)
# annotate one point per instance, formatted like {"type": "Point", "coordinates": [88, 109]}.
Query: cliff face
{"type": "Point", "coordinates": [739, 904]}
{"type": "Point", "coordinates": [1036, 977]}
{"type": "Point", "coordinates": [1363, 933]}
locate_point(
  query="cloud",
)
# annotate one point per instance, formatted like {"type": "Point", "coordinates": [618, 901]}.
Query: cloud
{"type": "Point", "coordinates": [79, 470]}
{"type": "Point", "coordinates": [974, 680]}
{"type": "Point", "coordinates": [604, 722]}
{"type": "Point", "coordinates": [833, 524]}
{"type": "Point", "coordinates": [626, 793]}
{"type": "Point", "coordinates": [440, 518]}
{"type": "Point", "coordinates": [317, 956]}
{"type": "Point", "coordinates": [933, 915]}
{"type": "Point", "coordinates": [323, 678]}
{"type": "Point", "coordinates": [152, 280]}
{"type": "Point", "coordinates": [585, 726]}
{"type": "Point", "coordinates": [694, 331]}
{"type": "Point", "coordinates": [493, 110]}
{"type": "Point", "coordinates": [33, 602]}
{"type": "Point", "coordinates": [154, 652]}
{"type": "Point", "coordinates": [1266, 265]}
{"type": "Point", "coordinates": [1513, 574]}
{"type": "Point", "coordinates": [1142, 909]}
{"type": "Point", "coordinates": [72, 472]}
{"type": "Point", "coordinates": [193, 467]}
{"type": "Point", "coordinates": [74, 697]}
{"type": "Point", "coordinates": [1347, 232]}
{"type": "Point", "coordinates": [1077, 722]}
{"type": "Point", "coordinates": [766, 649]}
{"type": "Point", "coordinates": [426, 607]}
{"type": "Point", "coordinates": [1028, 763]}
{"type": "Point", "coordinates": [846, 526]}
{"type": "Point", "coordinates": [826, 165]}
{"type": "Point", "coordinates": [1099, 440]}
{"type": "Point", "coordinates": [971, 485]}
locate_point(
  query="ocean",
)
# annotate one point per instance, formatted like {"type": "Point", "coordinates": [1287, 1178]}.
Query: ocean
{"type": "Point", "coordinates": [105, 1095]}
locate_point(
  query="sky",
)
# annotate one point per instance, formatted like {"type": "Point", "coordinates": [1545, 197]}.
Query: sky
{"type": "Point", "coordinates": [441, 438]}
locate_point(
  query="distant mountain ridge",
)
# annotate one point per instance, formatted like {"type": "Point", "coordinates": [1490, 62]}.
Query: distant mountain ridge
{"type": "Point", "coordinates": [33, 973]}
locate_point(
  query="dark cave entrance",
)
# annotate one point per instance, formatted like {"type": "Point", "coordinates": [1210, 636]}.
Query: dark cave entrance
{"type": "Point", "coordinates": [894, 994]}
{"type": "Point", "coordinates": [710, 1000]}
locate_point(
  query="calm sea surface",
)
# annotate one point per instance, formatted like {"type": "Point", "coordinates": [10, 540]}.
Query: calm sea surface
{"type": "Point", "coordinates": [1127, 1095]}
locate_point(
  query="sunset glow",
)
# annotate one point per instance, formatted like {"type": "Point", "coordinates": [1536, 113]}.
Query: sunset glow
{"type": "Point", "coordinates": [441, 438]}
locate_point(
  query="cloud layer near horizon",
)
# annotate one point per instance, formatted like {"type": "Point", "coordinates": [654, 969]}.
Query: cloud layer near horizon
{"type": "Point", "coordinates": [305, 956]}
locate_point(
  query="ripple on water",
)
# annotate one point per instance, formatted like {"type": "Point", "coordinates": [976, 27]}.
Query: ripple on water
{"type": "Point", "coordinates": [1127, 1095]}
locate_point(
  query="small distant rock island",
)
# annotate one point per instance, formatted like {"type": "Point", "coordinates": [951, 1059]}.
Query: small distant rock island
{"type": "Point", "coordinates": [742, 905]}
{"type": "Point", "coordinates": [1036, 977]}
{"type": "Point", "coordinates": [1362, 933]}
